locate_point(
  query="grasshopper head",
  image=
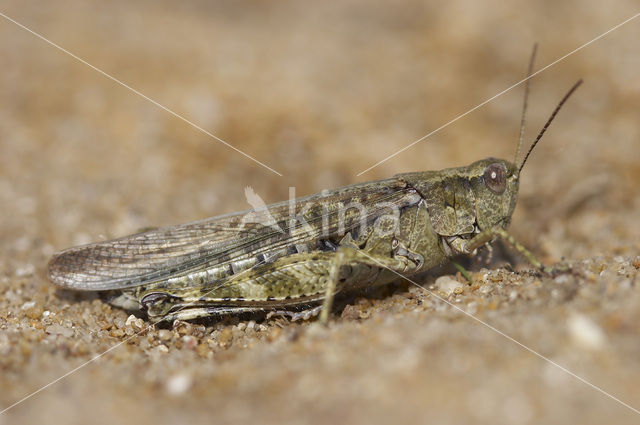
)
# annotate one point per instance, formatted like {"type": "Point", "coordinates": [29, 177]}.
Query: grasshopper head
{"type": "Point", "coordinates": [495, 186]}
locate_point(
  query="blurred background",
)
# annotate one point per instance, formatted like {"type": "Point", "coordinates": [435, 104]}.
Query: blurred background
{"type": "Point", "coordinates": [318, 91]}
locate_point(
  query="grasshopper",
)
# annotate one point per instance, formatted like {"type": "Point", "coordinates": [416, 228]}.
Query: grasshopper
{"type": "Point", "coordinates": [310, 249]}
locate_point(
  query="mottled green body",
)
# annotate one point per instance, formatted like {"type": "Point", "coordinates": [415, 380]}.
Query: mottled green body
{"type": "Point", "coordinates": [226, 264]}
{"type": "Point", "coordinates": [303, 252]}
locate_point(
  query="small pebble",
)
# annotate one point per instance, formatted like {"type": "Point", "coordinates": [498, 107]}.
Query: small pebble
{"type": "Point", "coordinates": [513, 295]}
{"type": "Point", "coordinates": [179, 384]}
{"type": "Point", "coordinates": [25, 271]}
{"type": "Point", "coordinates": [183, 328]}
{"type": "Point", "coordinates": [274, 333]}
{"type": "Point", "coordinates": [88, 318]}
{"type": "Point", "coordinates": [447, 285]}
{"type": "Point", "coordinates": [225, 338]}
{"type": "Point", "coordinates": [28, 305]}
{"type": "Point", "coordinates": [119, 322]}
{"type": "Point", "coordinates": [117, 333]}
{"type": "Point", "coordinates": [203, 350]}
{"type": "Point", "coordinates": [585, 332]}
{"type": "Point", "coordinates": [56, 329]}
{"type": "Point", "coordinates": [165, 335]}
{"type": "Point", "coordinates": [189, 342]}
{"type": "Point", "coordinates": [495, 278]}
{"type": "Point", "coordinates": [34, 312]}
{"type": "Point", "coordinates": [485, 289]}
{"type": "Point", "coordinates": [350, 312]}
{"type": "Point", "coordinates": [130, 320]}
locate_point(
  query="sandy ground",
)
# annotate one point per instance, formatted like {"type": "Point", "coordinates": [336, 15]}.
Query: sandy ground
{"type": "Point", "coordinates": [320, 93]}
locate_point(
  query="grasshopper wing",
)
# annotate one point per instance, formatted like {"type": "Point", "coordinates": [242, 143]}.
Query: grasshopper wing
{"type": "Point", "coordinates": [174, 251]}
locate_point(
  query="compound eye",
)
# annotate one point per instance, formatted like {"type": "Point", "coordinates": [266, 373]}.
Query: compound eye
{"type": "Point", "coordinates": [495, 177]}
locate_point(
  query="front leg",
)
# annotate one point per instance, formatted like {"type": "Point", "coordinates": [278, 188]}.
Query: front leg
{"type": "Point", "coordinates": [487, 235]}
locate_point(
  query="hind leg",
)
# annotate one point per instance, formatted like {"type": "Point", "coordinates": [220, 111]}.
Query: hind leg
{"type": "Point", "coordinates": [192, 313]}
{"type": "Point", "coordinates": [347, 256]}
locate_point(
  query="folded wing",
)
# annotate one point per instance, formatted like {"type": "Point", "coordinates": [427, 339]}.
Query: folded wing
{"type": "Point", "coordinates": [178, 250]}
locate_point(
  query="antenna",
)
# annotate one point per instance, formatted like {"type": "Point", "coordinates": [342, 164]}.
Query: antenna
{"type": "Point", "coordinates": [553, 115]}
{"type": "Point", "coordinates": [526, 97]}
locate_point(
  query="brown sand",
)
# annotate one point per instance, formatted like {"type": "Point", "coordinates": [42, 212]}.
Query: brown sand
{"type": "Point", "coordinates": [319, 93]}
